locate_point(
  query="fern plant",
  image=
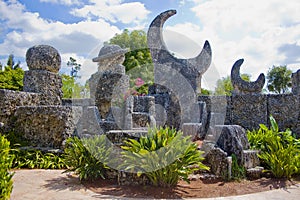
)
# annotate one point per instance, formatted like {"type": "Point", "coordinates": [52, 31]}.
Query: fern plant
{"type": "Point", "coordinates": [164, 156]}
{"type": "Point", "coordinates": [88, 157]}
{"type": "Point", "coordinates": [279, 151]}
{"type": "Point", "coordinates": [36, 159]}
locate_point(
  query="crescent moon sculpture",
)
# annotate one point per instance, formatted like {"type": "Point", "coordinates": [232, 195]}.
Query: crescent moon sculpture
{"type": "Point", "coordinates": [192, 68]}
{"type": "Point", "coordinates": [242, 86]}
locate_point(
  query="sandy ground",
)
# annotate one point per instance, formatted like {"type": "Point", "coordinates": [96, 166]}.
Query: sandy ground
{"type": "Point", "coordinates": [52, 184]}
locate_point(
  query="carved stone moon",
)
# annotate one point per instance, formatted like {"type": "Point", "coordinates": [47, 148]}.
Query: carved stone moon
{"type": "Point", "coordinates": [192, 69]}
{"type": "Point", "coordinates": [160, 53]}
{"type": "Point", "coordinates": [242, 86]}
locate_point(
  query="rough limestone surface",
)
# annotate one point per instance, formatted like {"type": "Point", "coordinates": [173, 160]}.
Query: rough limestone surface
{"type": "Point", "coordinates": [282, 105]}
{"type": "Point", "coordinates": [117, 137]}
{"type": "Point", "coordinates": [254, 173]}
{"type": "Point", "coordinates": [191, 69]}
{"type": "Point", "coordinates": [232, 139]}
{"type": "Point", "coordinates": [78, 102]}
{"type": "Point", "coordinates": [195, 130]}
{"type": "Point", "coordinates": [111, 91]}
{"type": "Point", "coordinates": [179, 80]}
{"type": "Point", "coordinates": [216, 159]}
{"type": "Point", "coordinates": [109, 85]}
{"type": "Point", "coordinates": [143, 111]}
{"type": "Point", "coordinates": [249, 111]}
{"type": "Point", "coordinates": [144, 104]}
{"type": "Point", "coordinates": [46, 126]}
{"type": "Point", "coordinates": [88, 124]}
{"type": "Point", "coordinates": [43, 57]}
{"type": "Point", "coordinates": [221, 106]}
{"type": "Point", "coordinates": [140, 119]}
{"type": "Point", "coordinates": [243, 87]}
{"type": "Point", "coordinates": [175, 109]}
{"type": "Point", "coordinates": [10, 100]}
{"type": "Point", "coordinates": [296, 83]}
{"type": "Point", "coordinates": [46, 83]}
{"type": "Point", "coordinates": [250, 158]}
{"type": "Point", "coordinates": [108, 126]}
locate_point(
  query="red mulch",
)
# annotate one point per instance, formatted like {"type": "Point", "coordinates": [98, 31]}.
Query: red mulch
{"type": "Point", "coordinates": [200, 188]}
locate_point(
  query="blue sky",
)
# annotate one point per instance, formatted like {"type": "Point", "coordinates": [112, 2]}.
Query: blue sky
{"type": "Point", "coordinates": [263, 32]}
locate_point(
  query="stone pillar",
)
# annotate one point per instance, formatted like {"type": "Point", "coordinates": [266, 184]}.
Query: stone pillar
{"type": "Point", "coordinates": [44, 63]}
{"type": "Point", "coordinates": [296, 83]}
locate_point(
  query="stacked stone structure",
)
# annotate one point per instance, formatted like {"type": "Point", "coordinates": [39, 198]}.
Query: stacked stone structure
{"type": "Point", "coordinates": [41, 115]}
{"type": "Point", "coordinates": [37, 113]}
{"type": "Point", "coordinates": [44, 63]}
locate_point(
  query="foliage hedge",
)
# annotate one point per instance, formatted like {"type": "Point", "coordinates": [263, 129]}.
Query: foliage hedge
{"type": "Point", "coordinates": [279, 150]}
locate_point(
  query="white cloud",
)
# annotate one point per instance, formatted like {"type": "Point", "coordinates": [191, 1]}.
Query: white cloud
{"type": "Point", "coordinates": [29, 29]}
{"type": "Point", "coordinates": [182, 2]}
{"type": "Point", "coordinates": [63, 2]}
{"type": "Point", "coordinates": [113, 11]}
{"type": "Point", "coordinates": [253, 30]}
{"type": "Point", "coordinates": [263, 32]}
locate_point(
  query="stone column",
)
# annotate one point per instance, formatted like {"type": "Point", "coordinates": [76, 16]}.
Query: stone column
{"type": "Point", "coordinates": [296, 83]}
{"type": "Point", "coordinates": [44, 63]}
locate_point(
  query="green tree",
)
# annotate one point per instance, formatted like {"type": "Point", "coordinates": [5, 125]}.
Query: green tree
{"type": "Point", "coordinates": [224, 85]}
{"type": "Point", "coordinates": [12, 76]}
{"type": "Point", "coordinates": [75, 67]}
{"type": "Point", "coordinates": [11, 62]}
{"type": "Point", "coordinates": [205, 91]}
{"type": "Point", "coordinates": [279, 79]}
{"type": "Point", "coordinates": [71, 88]}
{"type": "Point", "coordinates": [138, 61]}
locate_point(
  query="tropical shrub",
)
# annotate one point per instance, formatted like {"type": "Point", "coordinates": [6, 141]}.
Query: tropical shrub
{"type": "Point", "coordinates": [6, 183]}
{"type": "Point", "coordinates": [164, 156]}
{"type": "Point", "coordinates": [279, 151]}
{"type": "Point", "coordinates": [36, 159]}
{"type": "Point", "coordinates": [31, 158]}
{"type": "Point", "coordinates": [88, 157]}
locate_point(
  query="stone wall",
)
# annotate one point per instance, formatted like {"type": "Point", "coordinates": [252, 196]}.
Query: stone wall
{"type": "Point", "coordinates": [250, 110]}
{"type": "Point", "coordinates": [47, 84]}
{"type": "Point", "coordinates": [46, 126]}
{"type": "Point", "coordinates": [10, 100]}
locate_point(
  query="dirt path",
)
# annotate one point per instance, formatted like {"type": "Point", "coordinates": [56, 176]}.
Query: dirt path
{"type": "Point", "coordinates": [48, 185]}
{"type": "Point", "coordinates": [53, 185]}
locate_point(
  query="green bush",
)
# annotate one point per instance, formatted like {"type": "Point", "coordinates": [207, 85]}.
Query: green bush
{"type": "Point", "coordinates": [88, 157]}
{"type": "Point", "coordinates": [32, 158]}
{"type": "Point", "coordinates": [279, 151]}
{"type": "Point", "coordinates": [36, 159]}
{"type": "Point", "coordinates": [6, 183]}
{"type": "Point", "coordinates": [164, 156]}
